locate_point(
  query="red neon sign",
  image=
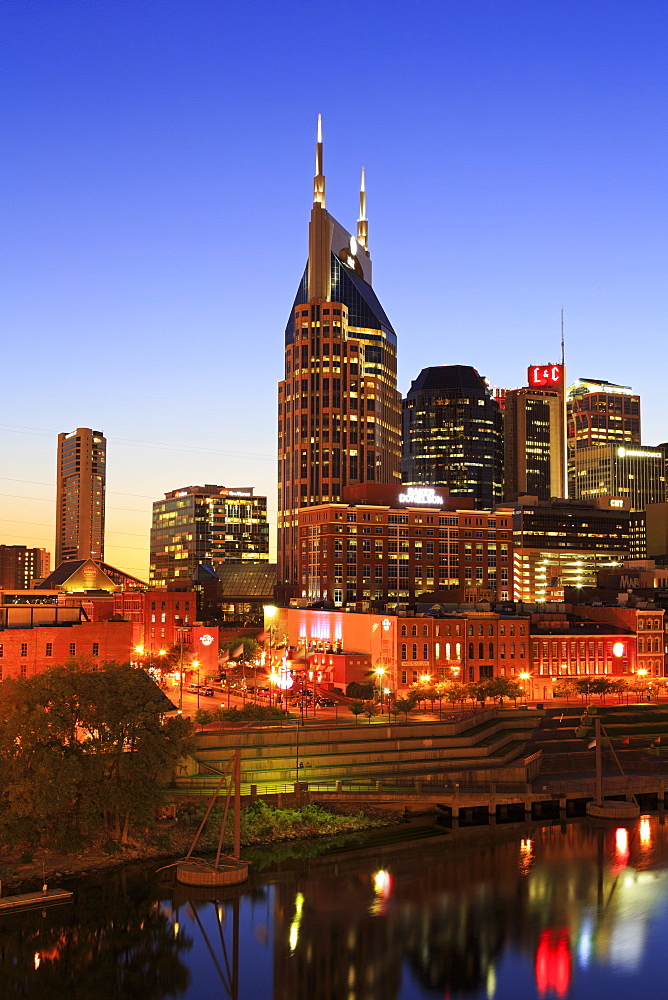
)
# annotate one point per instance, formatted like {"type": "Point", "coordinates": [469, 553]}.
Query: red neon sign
{"type": "Point", "coordinates": [545, 375]}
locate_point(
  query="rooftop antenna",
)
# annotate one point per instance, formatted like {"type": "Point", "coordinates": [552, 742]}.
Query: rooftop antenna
{"type": "Point", "coordinates": [563, 353]}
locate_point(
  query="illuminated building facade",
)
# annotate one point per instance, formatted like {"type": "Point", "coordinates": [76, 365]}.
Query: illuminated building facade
{"type": "Point", "coordinates": [646, 624]}
{"type": "Point", "coordinates": [534, 435]}
{"type": "Point", "coordinates": [597, 414]}
{"type": "Point", "coordinates": [80, 495]}
{"type": "Point", "coordinates": [466, 646]}
{"type": "Point", "coordinates": [339, 412]}
{"type": "Point", "coordinates": [453, 434]}
{"type": "Point", "coordinates": [390, 544]}
{"type": "Point", "coordinates": [562, 543]}
{"type": "Point", "coordinates": [206, 526]}
{"type": "Point", "coordinates": [636, 473]}
{"type": "Point", "coordinates": [20, 565]}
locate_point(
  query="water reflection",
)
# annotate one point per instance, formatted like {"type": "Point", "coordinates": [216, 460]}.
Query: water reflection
{"type": "Point", "coordinates": [534, 912]}
{"type": "Point", "coordinates": [115, 944]}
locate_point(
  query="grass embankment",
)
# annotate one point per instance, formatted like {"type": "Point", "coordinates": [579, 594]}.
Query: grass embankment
{"type": "Point", "coordinates": [261, 824]}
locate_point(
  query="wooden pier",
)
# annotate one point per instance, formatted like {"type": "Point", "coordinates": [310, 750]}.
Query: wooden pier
{"type": "Point", "coordinates": [35, 900]}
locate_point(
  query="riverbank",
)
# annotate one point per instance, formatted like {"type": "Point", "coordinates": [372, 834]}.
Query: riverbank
{"type": "Point", "coordinates": [169, 842]}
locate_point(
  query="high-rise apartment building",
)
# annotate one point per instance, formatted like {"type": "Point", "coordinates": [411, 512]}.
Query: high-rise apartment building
{"type": "Point", "coordinates": [20, 565]}
{"type": "Point", "coordinates": [206, 526]}
{"type": "Point", "coordinates": [80, 495]}
{"type": "Point", "coordinates": [453, 434]}
{"type": "Point", "coordinates": [534, 435]}
{"type": "Point", "coordinates": [598, 413]}
{"type": "Point", "coordinates": [339, 412]}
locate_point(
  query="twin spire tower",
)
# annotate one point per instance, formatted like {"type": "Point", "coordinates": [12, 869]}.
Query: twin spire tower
{"type": "Point", "coordinates": [319, 191]}
{"type": "Point", "coordinates": [339, 412]}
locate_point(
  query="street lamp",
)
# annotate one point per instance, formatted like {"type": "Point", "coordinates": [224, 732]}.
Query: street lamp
{"type": "Point", "coordinates": [380, 673]}
{"type": "Point", "coordinates": [524, 676]}
{"type": "Point", "coordinates": [195, 664]}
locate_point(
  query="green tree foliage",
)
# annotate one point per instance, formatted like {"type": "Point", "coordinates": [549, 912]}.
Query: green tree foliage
{"type": "Point", "coordinates": [250, 648]}
{"type": "Point", "coordinates": [82, 752]}
{"type": "Point", "coordinates": [249, 713]}
{"type": "Point", "coordinates": [357, 708]}
{"type": "Point", "coordinates": [371, 710]}
{"type": "Point", "coordinates": [456, 692]}
{"type": "Point", "coordinates": [405, 705]}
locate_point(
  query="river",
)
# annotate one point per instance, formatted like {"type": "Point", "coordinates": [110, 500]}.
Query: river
{"type": "Point", "coordinates": [516, 913]}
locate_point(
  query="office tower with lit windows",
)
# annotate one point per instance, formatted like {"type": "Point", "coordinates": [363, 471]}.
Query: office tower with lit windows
{"type": "Point", "coordinates": [206, 526]}
{"type": "Point", "coordinates": [637, 474]}
{"type": "Point", "coordinates": [598, 413]}
{"type": "Point", "coordinates": [534, 435]}
{"type": "Point", "coordinates": [453, 434]}
{"type": "Point", "coordinates": [339, 412]}
{"type": "Point", "coordinates": [563, 543]}
{"type": "Point", "coordinates": [80, 495]}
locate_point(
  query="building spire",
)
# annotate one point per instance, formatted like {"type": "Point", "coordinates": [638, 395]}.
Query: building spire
{"type": "Point", "coordinates": [319, 179]}
{"type": "Point", "coordinates": [362, 223]}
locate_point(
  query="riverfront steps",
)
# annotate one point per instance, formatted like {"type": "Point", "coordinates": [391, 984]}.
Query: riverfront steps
{"type": "Point", "coordinates": [326, 753]}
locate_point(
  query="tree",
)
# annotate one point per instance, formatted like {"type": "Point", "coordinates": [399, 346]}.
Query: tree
{"type": "Point", "coordinates": [514, 690]}
{"type": "Point", "coordinates": [371, 710]}
{"type": "Point", "coordinates": [456, 693]}
{"type": "Point", "coordinates": [244, 647]}
{"type": "Point", "coordinates": [405, 705]}
{"type": "Point", "coordinates": [202, 717]}
{"type": "Point", "coordinates": [600, 685]}
{"type": "Point", "coordinates": [431, 695]}
{"type": "Point", "coordinates": [83, 751]}
{"type": "Point", "coordinates": [619, 687]}
{"type": "Point", "coordinates": [477, 691]}
{"type": "Point", "coordinates": [565, 687]}
{"type": "Point", "coordinates": [357, 708]}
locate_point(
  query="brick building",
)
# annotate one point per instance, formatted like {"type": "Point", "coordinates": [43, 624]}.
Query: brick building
{"type": "Point", "coordinates": [29, 646]}
{"type": "Point", "coordinates": [390, 544]}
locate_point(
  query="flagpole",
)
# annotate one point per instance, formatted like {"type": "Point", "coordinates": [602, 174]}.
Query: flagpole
{"type": "Point", "coordinates": [599, 763]}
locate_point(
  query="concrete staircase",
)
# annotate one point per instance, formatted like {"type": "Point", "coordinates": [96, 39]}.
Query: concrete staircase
{"type": "Point", "coordinates": [323, 754]}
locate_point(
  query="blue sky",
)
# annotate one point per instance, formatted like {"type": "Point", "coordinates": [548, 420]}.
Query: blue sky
{"type": "Point", "coordinates": [156, 186]}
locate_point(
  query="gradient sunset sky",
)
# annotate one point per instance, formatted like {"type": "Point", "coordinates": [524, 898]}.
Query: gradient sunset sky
{"type": "Point", "coordinates": [157, 171]}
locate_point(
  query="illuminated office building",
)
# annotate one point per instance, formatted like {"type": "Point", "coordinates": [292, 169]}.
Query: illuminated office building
{"type": "Point", "coordinates": [80, 495]}
{"type": "Point", "coordinates": [206, 526]}
{"type": "Point", "coordinates": [453, 434]}
{"type": "Point", "coordinates": [636, 473]}
{"type": "Point", "coordinates": [339, 412]}
{"type": "Point", "coordinates": [598, 413]}
{"type": "Point", "coordinates": [534, 435]}
{"type": "Point", "coordinates": [563, 543]}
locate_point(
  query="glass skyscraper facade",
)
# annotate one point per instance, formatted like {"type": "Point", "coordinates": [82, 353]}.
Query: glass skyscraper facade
{"type": "Point", "coordinates": [206, 526]}
{"type": "Point", "coordinates": [339, 412]}
{"type": "Point", "coordinates": [453, 435]}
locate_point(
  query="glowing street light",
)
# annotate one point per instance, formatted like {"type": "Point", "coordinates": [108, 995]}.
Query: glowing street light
{"type": "Point", "coordinates": [380, 673]}
{"type": "Point", "coordinates": [526, 676]}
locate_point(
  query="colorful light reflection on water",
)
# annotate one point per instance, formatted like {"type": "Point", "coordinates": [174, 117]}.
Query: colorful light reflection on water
{"type": "Point", "coordinates": [553, 912]}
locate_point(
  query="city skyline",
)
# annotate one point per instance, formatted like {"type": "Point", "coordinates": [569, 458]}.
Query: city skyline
{"type": "Point", "coordinates": [150, 206]}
